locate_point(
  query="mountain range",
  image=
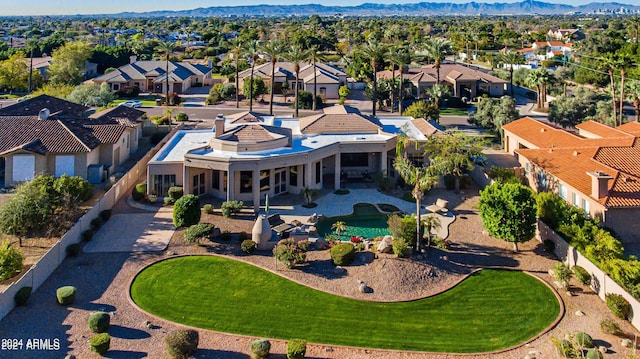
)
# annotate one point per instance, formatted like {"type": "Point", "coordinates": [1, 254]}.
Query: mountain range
{"type": "Point", "coordinates": [526, 7]}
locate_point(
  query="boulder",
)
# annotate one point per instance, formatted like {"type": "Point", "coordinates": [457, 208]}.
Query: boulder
{"type": "Point", "coordinates": [602, 349]}
{"type": "Point", "coordinates": [627, 343]}
{"type": "Point", "coordinates": [579, 313]}
{"type": "Point", "coordinates": [385, 245]}
{"type": "Point", "coordinates": [362, 288]}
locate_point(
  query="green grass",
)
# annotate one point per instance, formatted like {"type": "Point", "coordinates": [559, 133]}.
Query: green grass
{"type": "Point", "coordinates": [490, 310]}
{"type": "Point", "coordinates": [453, 112]}
{"type": "Point", "coordinates": [146, 101]}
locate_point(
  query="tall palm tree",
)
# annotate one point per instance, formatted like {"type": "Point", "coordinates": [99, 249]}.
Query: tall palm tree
{"type": "Point", "coordinates": [296, 54]}
{"type": "Point", "coordinates": [437, 50]}
{"type": "Point", "coordinates": [252, 50]}
{"type": "Point", "coordinates": [397, 56]}
{"type": "Point", "coordinates": [273, 49]}
{"type": "Point", "coordinates": [315, 55]}
{"type": "Point", "coordinates": [633, 94]}
{"type": "Point", "coordinates": [236, 50]}
{"type": "Point", "coordinates": [375, 52]}
{"type": "Point", "coordinates": [611, 62]}
{"type": "Point", "coordinates": [166, 47]}
{"type": "Point", "coordinates": [635, 24]}
{"type": "Point", "coordinates": [511, 58]}
{"type": "Point", "coordinates": [437, 93]}
{"type": "Point", "coordinates": [624, 61]}
{"type": "Point", "coordinates": [32, 44]}
{"type": "Point", "coordinates": [535, 78]}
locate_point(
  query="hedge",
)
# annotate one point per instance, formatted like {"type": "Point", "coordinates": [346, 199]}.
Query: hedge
{"type": "Point", "coordinates": [100, 343]}
{"type": "Point", "coordinates": [342, 254]}
{"type": "Point", "coordinates": [186, 211]}
{"type": "Point", "coordinates": [66, 295]}
{"type": "Point", "coordinates": [296, 349]}
{"type": "Point", "coordinates": [260, 348]}
{"type": "Point", "coordinates": [181, 343]}
{"type": "Point", "coordinates": [198, 232]}
{"type": "Point", "coordinates": [99, 322]}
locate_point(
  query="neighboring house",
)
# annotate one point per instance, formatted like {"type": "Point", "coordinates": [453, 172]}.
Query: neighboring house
{"type": "Point", "coordinates": [328, 78]}
{"type": "Point", "coordinates": [47, 135]}
{"type": "Point", "coordinates": [41, 64]}
{"type": "Point", "coordinates": [461, 80]}
{"type": "Point", "coordinates": [566, 34]}
{"type": "Point", "coordinates": [596, 169]}
{"type": "Point", "coordinates": [248, 155]}
{"type": "Point", "coordinates": [150, 76]}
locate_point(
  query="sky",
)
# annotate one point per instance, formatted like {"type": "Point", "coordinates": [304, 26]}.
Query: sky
{"type": "Point", "coordinates": [71, 7]}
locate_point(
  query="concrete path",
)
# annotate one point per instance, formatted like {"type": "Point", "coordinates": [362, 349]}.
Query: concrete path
{"type": "Point", "coordinates": [134, 232]}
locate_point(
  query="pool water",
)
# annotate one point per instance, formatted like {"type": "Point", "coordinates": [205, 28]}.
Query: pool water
{"type": "Point", "coordinates": [365, 221]}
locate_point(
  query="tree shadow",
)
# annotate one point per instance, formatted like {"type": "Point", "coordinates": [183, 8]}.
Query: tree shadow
{"type": "Point", "coordinates": [119, 331]}
{"type": "Point", "coordinates": [96, 307]}
{"type": "Point", "coordinates": [323, 268]}
{"type": "Point", "coordinates": [124, 354]}
{"type": "Point", "coordinates": [221, 354]}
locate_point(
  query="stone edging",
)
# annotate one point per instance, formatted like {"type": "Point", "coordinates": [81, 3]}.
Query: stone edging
{"type": "Point", "coordinates": [545, 331]}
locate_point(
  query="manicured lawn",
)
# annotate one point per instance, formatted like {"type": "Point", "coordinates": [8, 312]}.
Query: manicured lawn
{"type": "Point", "coordinates": [453, 112]}
{"type": "Point", "coordinates": [147, 101]}
{"type": "Point", "coordinates": [490, 310]}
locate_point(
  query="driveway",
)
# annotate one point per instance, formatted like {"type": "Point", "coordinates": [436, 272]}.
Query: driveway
{"type": "Point", "coordinates": [133, 232]}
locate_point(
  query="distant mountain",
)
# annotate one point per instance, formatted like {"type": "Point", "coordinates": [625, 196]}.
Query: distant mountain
{"type": "Point", "coordinates": [526, 7]}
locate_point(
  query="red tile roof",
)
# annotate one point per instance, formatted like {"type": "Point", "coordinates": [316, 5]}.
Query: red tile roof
{"type": "Point", "coordinates": [339, 119]}
{"type": "Point", "coordinates": [630, 127]}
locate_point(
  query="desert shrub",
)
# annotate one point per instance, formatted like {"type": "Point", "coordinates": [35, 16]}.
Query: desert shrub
{"type": "Point", "coordinates": [99, 322]}
{"type": "Point", "coordinates": [583, 340]}
{"type": "Point", "coordinates": [248, 246]}
{"type": "Point", "coordinates": [404, 228]}
{"type": "Point", "coordinates": [186, 211]}
{"type": "Point", "coordinates": [212, 98]}
{"type": "Point", "coordinates": [228, 208]}
{"type": "Point", "coordinates": [562, 273]}
{"type": "Point", "coordinates": [175, 192]}
{"type": "Point", "coordinates": [168, 201]}
{"type": "Point", "coordinates": [593, 354]}
{"type": "Point", "coordinates": [439, 242]}
{"type": "Point", "coordinates": [198, 232]}
{"type": "Point", "coordinates": [296, 349]}
{"type": "Point", "coordinates": [400, 247]}
{"type": "Point", "coordinates": [22, 296]}
{"type": "Point", "coordinates": [87, 235]}
{"type": "Point", "coordinates": [128, 92]}
{"type": "Point", "coordinates": [609, 326]}
{"type": "Point", "coordinates": [139, 191]}
{"type": "Point", "coordinates": [73, 187]}
{"type": "Point", "coordinates": [260, 348]}
{"type": "Point", "coordinates": [105, 215]}
{"type": "Point", "coordinates": [564, 348]}
{"type": "Point", "coordinates": [503, 175]}
{"type": "Point", "coordinates": [619, 306]}
{"type": "Point", "coordinates": [288, 252]}
{"type": "Point", "coordinates": [96, 223]}
{"type": "Point", "coordinates": [208, 208]}
{"type": "Point", "coordinates": [582, 275]}
{"type": "Point", "coordinates": [157, 137]}
{"type": "Point", "coordinates": [10, 260]}
{"type": "Point", "coordinates": [181, 117]}
{"type": "Point", "coordinates": [552, 209]}
{"type": "Point", "coordinates": [304, 245]}
{"type": "Point", "coordinates": [66, 295]}
{"type": "Point", "coordinates": [72, 250]}
{"type": "Point", "coordinates": [305, 100]}
{"type": "Point", "coordinates": [342, 254]}
{"type": "Point", "coordinates": [225, 236]}
{"type": "Point", "coordinates": [181, 343]}
{"type": "Point", "coordinates": [100, 343]}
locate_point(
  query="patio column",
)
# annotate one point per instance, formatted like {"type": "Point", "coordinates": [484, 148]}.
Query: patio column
{"type": "Point", "coordinates": [336, 175]}
{"type": "Point", "coordinates": [186, 182]}
{"type": "Point", "coordinates": [307, 175]}
{"type": "Point", "coordinates": [383, 162]}
{"type": "Point", "coordinates": [255, 190]}
{"type": "Point", "coordinates": [230, 181]}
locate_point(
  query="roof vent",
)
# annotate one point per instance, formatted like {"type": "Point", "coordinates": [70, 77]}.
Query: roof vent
{"type": "Point", "coordinates": [575, 153]}
{"type": "Point", "coordinates": [542, 130]}
{"type": "Point", "coordinates": [44, 114]}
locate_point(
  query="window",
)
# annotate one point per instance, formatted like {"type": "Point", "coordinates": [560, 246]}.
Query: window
{"type": "Point", "coordinates": [161, 184]}
{"type": "Point", "coordinates": [526, 168]}
{"type": "Point", "coordinates": [585, 205]}
{"type": "Point", "coordinates": [562, 190]}
{"type": "Point", "coordinates": [293, 175]}
{"type": "Point", "coordinates": [264, 180]}
{"type": "Point", "coordinates": [354, 159]}
{"type": "Point", "coordinates": [318, 172]}
{"type": "Point", "coordinates": [198, 184]}
{"type": "Point", "coordinates": [574, 199]}
{"type": "Point", "coordinates": [225, 180]}
{"type": "Point", "coordinates": [280, 180]}
{"type": "Point", "coordinates": [542, 180]}
{"type": "Point", "coordinates": [215, 179]}
{"type": "Point", "coordinates": [246, 181]}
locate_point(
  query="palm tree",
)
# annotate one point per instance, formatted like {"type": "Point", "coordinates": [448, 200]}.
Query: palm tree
{"type": "Point", "coordinates": [611, 62]}
{"type": "Point", "coordinates": [273, 49]}
{"type": "Point", "coordinates": [236, 50]}
{"type": "Point", "coordinates": [166, 47]}
{"type": "Point", "coordinates": [296, 55]}
{"type": "Point", "coordinates": [32, 44]}
{"type": "Point", "coordinates": [431, 222]}
{"type": "Point", "coordinates": [625, 61]}
{"type": "Point", "coordinates": [535, 78]}
{"type": "Point", "coordinates": [437, 92]}
{"type": "Point", "coordinates": [633, 94]}
{"type": "Point", "coordinates": [451, 153]}
{"type": "Point", "coordinates": [437, 50]}
{"type": "Point", "coordinates": [512, 58]}
{"type": "Point", "coordinates": [635, 24]}
{"type": "Point", "coordinates": [252, 50]}
{"type": "Point", "coordinates": [339, 227]}
{"type": "Point", "coordinates": [315, 55]}
{"type": "Point", "coordinates": [399, 56]}
{"type": "Point", "coordinates": [421, 178]}
{"type": "Point", "coordinates": [375, 52]}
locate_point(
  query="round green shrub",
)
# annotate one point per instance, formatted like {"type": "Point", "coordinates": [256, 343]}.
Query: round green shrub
{"type": "Point", "coordinates": [87, 235]}
{"type": "Point", "coordinates": [296, 349]}
{"type": "Point", "coordinates": [100, 343]}
{"type": "Point", "coordinates": [583, 340]}
{"type": "Point", "coordinates": [181, 116]}
{"type": "Point", "coordinates": [10, 260]}
{"type": "Point", "coordinates": [105, 215]}
{"type": "Point", "coordinates": [139, 192]}
{"type": "Point", "coordinates": [66, 295]}
{"type": "Point", "coordinates": [181, 343]}
{"type": "Point", "coordinates": [99, 322]}
{"type": "Point", "coordinates": [342, 254]}
{"type": "Point", "coordinates": [609, 326]}
{"type": "Point", "coordinates": [168, 201]}
{"type": "Point", "coordinates": [260, 348]}
{"type": "Point", "coordinates": [594, 354]}
{"type": "Point", "coordinates": [582, 275]}
{"type": "Point", "coordinates": [565, 348]}
{"type": "Point", "coordinates": [619, 306]}
{"type": "Point", "coordinates": [186, 211]}
{"type": "Point", "coordinates": [248, 246]}
{"type": "Point", "coordinates": [175, 192]}
{"type": "Point", "coordinates": [96, 223]}
{"type": "Point", "coordinates": [73, 249]}
{"type": "Point", "coordinates": [208, 208]}
{"type": "Point", "coordinates": [198, 232]}
{"type": "Point", "coordinates": [22, 295]}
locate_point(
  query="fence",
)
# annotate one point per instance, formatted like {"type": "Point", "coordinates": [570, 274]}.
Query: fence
{"type": "Point", "coordinates": [42, 269]}
{"type": "Point", "coordinates": [601, 283]}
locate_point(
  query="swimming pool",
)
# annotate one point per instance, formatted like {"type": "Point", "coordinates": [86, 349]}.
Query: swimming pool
{"type": "Point", "coordinates": [367, 221]}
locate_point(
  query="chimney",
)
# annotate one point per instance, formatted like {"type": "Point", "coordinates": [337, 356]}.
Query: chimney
{"type": "Point", "coordinates": [43, 114]}
{"type": "Point", "coordinates": [219, 125]}
{"type": "Point", "coordinates": [210, 63]}
{"type": "Point", "coordinates": [133, 58]}
{"type": "Point", "coordinates": [599, 184]}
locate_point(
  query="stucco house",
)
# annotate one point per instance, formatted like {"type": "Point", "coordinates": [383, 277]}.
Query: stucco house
{"type": "Point", "coordinates": [328, 78]}
{"type": "Point", "coordinates": [247, 156]}
{"type": "Point", "coordinates": [596, 169]}
{"type": "Point", "coordinates": [41, 64]}
{"type": "Point", "coordinates": [47, 135]}
{"type": "Point", "coordinates": [150, 76]}
{"type": "Point", "coordinates": [462, 81]}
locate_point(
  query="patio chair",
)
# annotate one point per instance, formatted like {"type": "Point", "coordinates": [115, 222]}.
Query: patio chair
{"type": "Point", "coordinates": [440, 206]}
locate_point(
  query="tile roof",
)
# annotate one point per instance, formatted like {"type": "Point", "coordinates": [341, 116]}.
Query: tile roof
{"type": "Point", "coordinates": [245, 117]}
{"type": "Point", "coordinates": [139, 70]}
{"type": "Point", "coordinates": [427, 127]}
{"type": "Point", "coordinates": [601, 130]}
{"type": "Point", "coordinates": [630, 127]}
{"type": "Point", "coordinates": [285, 68]}
{"type": "Point", "coordinates": [32, 107]}
{"type": "Point", "coordinates": [121, 115]}
{"type": "Point", "coordinates": [251, 133]}
{"type": "Point", "coordinates": [339, 119]}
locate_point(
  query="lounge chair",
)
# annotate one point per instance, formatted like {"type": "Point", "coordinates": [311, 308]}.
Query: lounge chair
{"type": "Point", "coordinates": [440, 206]}
{"type": "Point", "coordinates": [278, 225]}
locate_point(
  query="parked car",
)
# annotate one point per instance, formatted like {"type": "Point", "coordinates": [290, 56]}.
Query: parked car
{"type": "Point", "coordinates": [131, 103]}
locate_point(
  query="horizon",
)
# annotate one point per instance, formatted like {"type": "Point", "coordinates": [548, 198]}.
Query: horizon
{"type": "Point", "coordinates": [93, 7]}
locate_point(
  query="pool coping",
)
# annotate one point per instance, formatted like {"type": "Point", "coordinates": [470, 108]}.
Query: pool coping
{"type": "Point", "coordinates": [561, 314]}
